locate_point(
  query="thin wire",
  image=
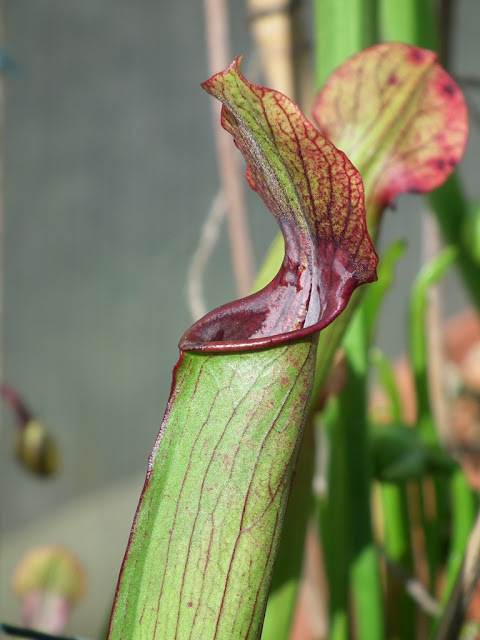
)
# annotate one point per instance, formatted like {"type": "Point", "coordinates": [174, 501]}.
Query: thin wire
{"type": "Point", "coordinates": [413, 587]}
{"type": "Point", "coordinates": [208, 239]}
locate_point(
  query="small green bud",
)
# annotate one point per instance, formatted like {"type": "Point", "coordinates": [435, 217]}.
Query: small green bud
{"type": "Point", "coordinates": [36, 449]}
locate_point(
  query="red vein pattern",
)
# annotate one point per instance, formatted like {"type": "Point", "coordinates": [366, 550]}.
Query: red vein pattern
{"type": "Point", "coordinates": [317, 198]}
{"type": "Point", "coordinates": [399, 117]}
{"type": "Point", "coordinates": [204, 539]}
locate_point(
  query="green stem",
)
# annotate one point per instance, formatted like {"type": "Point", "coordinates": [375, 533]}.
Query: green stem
{"type": "Point", "coordinates": [396, 519]}
{"type": "Point", "coordinates": [342, 28]}
{"type": "Point", "coordinates": [432, 519]}
{"type": "Point", "coordinates": [339, 625]}
{"type": "Point", "coordinates": [410, 21]}
{"type": "Point", "coordinates": [234, 421]}
{"type": "Point", "coordinates": [397, 541]}
{"type": "Point", "coordinates": [430, 274]}
{"type": "Point", "coordinates": [464, 507]}
{"type": "Point", "coordinates": [364, 574]}
{"type": "Point", "coordinates": [352, 565]}
{"type": "Point", "coordinates": [400, 608]}
{"type": "Point", "coordinates": [335, 524]}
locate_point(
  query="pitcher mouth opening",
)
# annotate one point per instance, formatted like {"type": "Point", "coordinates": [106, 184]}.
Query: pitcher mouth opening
{"type": "Point", "coordinates": [317, 198]}
{"type": "Point", "coordinates": [277, 314]}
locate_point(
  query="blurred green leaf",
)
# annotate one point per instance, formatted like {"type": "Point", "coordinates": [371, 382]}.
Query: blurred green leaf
{"type": "Point", "coordinates": [399, 454]}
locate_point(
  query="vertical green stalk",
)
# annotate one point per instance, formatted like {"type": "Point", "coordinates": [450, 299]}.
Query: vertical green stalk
{"type": "Point", "coordinates": [342, 28]}
{"type": "Point", "coordinates": [410, 21]}
{"type": "Point", "coordinates": [397, 543]}
{"type": "Point", "coordinates": [396, 520]}
{"type": "Point", "coordinates": [464, 508]}
{"type": "Point", "coordinates": [364, 573]}
{"type": "Point", "coordinates": [400, 607]}
{"type": "Point", "coordinates": [352, 564]}
{"type": "Point", "coordinates": [432, 272]}
{"type": "Point", "coordinates": [335, 523]}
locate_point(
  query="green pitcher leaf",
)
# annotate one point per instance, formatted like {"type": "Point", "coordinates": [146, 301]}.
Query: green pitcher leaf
{"type": "Point", "coordinates": [204, 539]}
{"type": "Point", "coordinates": [398, 115]}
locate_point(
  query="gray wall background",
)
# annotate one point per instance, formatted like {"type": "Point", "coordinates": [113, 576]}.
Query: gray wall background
{"type": "Point", "coordinates": [110, 170]}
